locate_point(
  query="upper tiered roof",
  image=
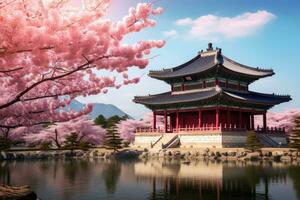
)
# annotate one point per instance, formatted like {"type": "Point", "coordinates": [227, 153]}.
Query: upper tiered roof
{"type": "Point", "coordinates": [211, 60]}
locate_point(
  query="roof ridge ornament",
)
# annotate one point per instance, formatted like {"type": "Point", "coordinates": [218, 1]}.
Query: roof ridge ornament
{"type": "Point", "coordinates": [219, 57]}
{"type": "Point", "coordinates": [210, 47]}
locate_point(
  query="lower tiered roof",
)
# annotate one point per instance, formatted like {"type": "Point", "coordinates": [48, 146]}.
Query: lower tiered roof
{"type": "Point", "coordinates": [204, 95]}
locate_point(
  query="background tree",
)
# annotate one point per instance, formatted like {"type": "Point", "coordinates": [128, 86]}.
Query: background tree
{"type": "Point", "coordinates": [127, 127]}
{"type": "Point", "coordinates": [253, 142]}
{"type": "Point", "coordinates": [283, 119]}
{"type": "Point", "coordinates": [113, 120]}
{"type": "Point", "coordinates": [109, 122]}
{"type": "Point", "coordinates": [57, 133]}
{"type": "Point", "coordinates": [101, 121]}
{"type": "Point", "coordinates": [73, 141]}
{"type": "Point", "coordinates": [295, 134]}
{"type": "Point", "coordinates": [51, 52]}
{"type": "Point", "coordinates": [112, 139]}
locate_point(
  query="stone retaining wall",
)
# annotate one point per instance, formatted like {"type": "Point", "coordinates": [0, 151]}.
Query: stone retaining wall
{"type": "Point", "coordinates": [62, 154]}
{"type": "Point", "coordinates": [222, 154]}
{"type": "Point", "coordinates": [146, 140]}
{"type": "Point", "coordinates": [240, 154]}
{"type": "Point", "coordinates": [216, 139]}
{"type": "Point", "coordinates": [207, 140]}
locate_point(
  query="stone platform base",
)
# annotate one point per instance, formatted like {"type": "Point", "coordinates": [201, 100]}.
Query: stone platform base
{"type": "Point", "coordinates": [215, 139]}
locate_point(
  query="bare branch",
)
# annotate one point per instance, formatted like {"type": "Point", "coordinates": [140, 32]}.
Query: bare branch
{"type": "Point", "coordinates": [8, 4]}
{"type": "Point", "coordinates": [11, 70]}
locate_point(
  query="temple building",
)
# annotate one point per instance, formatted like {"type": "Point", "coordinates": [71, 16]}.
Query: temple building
{"type": "Point", "coordinates": [211, 93]}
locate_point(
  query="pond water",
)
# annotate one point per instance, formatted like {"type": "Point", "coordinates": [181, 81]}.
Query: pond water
{"type": "Point", "coordinates": [156, 179]}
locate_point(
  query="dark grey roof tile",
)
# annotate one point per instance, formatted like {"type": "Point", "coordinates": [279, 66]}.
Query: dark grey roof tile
{"type": "Point", "coordinates": [251, 97]}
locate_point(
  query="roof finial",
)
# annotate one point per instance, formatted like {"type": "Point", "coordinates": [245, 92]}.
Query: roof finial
{"type": "Point", "coordinates": [210, 47]}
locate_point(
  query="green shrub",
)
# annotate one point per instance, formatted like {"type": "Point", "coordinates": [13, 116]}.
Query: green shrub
{"type": "Point", "coordinates": [253, 143]}
{"type": "Point", "coordinates": [5, 144]}
{"type": "Point", "coordinates": [45, 146]}
{"type": "Point", "coordinates": [295, 135]}
{"type": "Point", "coordinates": [73, 142]}
{"type": "Point", "coordinates": [112, 139]}
{"type": "Point", "coordinates": [83, 145]}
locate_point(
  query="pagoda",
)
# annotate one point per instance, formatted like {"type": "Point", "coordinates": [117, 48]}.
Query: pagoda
{"type": "Point", "coordinates": [210, 91]}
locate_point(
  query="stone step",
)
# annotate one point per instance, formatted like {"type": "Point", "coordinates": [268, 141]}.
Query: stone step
{"type": "Point", "coordinates": [166, 138]}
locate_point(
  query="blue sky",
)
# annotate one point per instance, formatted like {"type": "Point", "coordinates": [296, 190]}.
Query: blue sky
{"type": "Point", "coordinates": [258, 33]}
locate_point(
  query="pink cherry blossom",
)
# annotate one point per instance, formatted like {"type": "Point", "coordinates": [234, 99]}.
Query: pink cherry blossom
{"type": "Point", "coordinates": [52, 52]}
{"type": "Point", "coordinates": [127, 127]}
{"type": "Point", "coordinates": [56, 134]}
{"type": "Point", "coordinates": [279, 119]}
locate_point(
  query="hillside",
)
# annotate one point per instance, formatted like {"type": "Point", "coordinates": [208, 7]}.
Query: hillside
{"type": "Point", "coordinates": [107, 110]}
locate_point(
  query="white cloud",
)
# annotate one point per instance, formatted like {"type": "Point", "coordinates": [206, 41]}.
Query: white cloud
{"type": "Point", "coordinates": [184, 21]}
{"type": "Point", "coordinates": [171, 33]}
{"type": "Point", "coordinates": [211, 26]}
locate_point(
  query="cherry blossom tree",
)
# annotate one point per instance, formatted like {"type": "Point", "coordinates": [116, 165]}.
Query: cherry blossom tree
{"type": "Point", "coordinates": [56, 134]}
{"type": "Point", "coordinates": [127, 127]}
{"type": "Point", "coordinates": [17, 134]}
{"type": "Point", "coordinates": [52, 52]}
{"type": "Point", "coordinates": [279, 119]}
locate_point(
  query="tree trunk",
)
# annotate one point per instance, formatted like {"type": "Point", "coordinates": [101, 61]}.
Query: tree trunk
{"type": "Point", "coordinates": [56, 140]}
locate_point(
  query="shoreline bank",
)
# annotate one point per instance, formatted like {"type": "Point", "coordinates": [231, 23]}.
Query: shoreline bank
{"type": "Point", "coordinates": [221, 154]}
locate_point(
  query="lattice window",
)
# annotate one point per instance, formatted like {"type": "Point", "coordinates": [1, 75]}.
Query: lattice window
{"type": "Point", "coordinates": [222, 84]}
{"type": "Point", "coordinates": [176, 88]}
{"type": "Point", "coordinates": [193, 86]}
{"type": "Point", "coordinates": [233, 86]}
{"type": "Point", "coordinates": [243, 87]}
{"type": "Point", "coordinates": [210, 84]}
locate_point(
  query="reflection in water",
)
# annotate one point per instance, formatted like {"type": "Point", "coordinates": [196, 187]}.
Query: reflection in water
{"type": "Point", "coordinates": [111, 174]}
{"type": "Point", "coordinates": [294, 173]}
{"type": "Point", "coordinates": [154, 179]}
{"type": "Point", "coordinates": [207, 180]}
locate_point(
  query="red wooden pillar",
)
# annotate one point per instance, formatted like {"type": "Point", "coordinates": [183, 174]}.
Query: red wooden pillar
{"type": "Point", "coordinates": [252, 122]}
{"type": "Point", "coordinates": [217, 117]}
{"type": "Point", "coordinates": [228, 120]}
{"type": "Point", "coordinates": [200, 119]}
{"type": "Point", "coordinates": [166, 121]}
{"type": "Point", "coordinates": [182, 87]}
{"type": "Point", "coordinates": [170, 123]}
{"type": "Point", "coordinates": [216, 82]}
{"type": "Point", "coordinates": [177, 119]}
{"type": "Point", "coordinates": [154, 120]}
{"type": "Point", "coordinates": [265, 121]}
{"type": "Point", "coordinates": [240, 119]}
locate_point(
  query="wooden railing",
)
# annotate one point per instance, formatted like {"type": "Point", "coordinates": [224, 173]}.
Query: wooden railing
{"type": "Point", "coordinates": [270, 130]}
{"type": "Point", "coordinates": [149, 130]}
{"type": "Point", "coordinates": [212, 127]}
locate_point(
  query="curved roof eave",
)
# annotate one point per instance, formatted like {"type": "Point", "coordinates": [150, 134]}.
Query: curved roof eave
{"type": "Point", "coordinates": [200, 64]}
{"type": "Point", "coordinates": [246, 70]}
{"type": "Point", "coordinates": [258, 98]}
{"type": "Point", "coordinates": [168, 98]}
{"type": "Point", "coordinates": [251, 97]}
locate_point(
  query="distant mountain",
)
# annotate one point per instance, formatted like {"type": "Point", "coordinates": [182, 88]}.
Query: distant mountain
{"type": "Point", "coordinates": [107, 110]}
